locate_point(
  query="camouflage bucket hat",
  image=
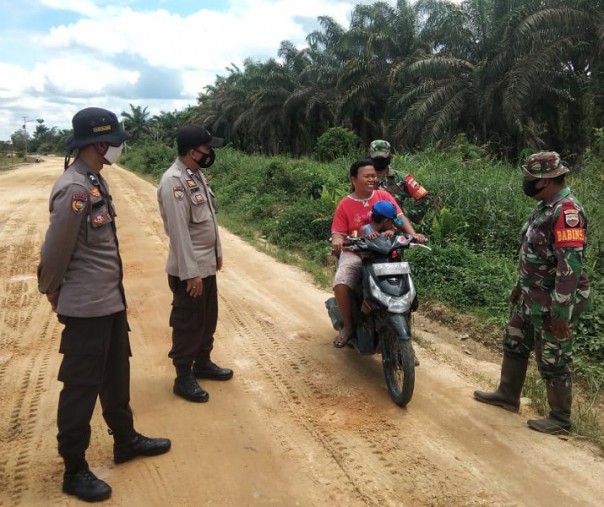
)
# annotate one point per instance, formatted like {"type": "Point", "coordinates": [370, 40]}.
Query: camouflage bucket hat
{"type": "Point", "coordinates": [545, 164]}
{"type": "Point", "coordinates": [379, 149]}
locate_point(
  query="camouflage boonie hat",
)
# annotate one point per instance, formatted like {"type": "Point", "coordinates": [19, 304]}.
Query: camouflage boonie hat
{"type": "Point", "coordinates": [545, 164]}
{"type": "Point", "coordinates": [379, 149]}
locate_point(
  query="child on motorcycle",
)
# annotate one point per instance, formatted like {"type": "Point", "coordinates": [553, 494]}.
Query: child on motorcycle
{"type": "Point", "coordinates": [381, 221]}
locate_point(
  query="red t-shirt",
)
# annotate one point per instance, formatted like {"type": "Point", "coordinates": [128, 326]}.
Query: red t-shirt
{"type": "Point", "coordinates": [351, 214]}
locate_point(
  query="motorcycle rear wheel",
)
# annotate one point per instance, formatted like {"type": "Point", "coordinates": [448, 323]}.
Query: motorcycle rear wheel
{"type": "Point", "coordinates": [398, 360]}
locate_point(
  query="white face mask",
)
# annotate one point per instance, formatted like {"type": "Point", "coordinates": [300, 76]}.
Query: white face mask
{"type": "Point", "coordinates": [113, 153]}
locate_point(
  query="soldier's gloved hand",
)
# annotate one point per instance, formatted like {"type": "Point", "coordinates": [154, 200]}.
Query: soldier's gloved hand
{"type": "Point", "coordinates": [515, 295]}
{"type": "Point", "coordinates": [560, 329]}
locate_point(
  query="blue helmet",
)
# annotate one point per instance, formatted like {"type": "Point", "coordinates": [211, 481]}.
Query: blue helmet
{"type": "Point", "coordinates": [384, 209]}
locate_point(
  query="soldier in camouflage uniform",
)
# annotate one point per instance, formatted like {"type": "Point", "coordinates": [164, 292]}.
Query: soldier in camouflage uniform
{"type": "Point", "coordinates": [551, 290]}
{"type": "Point", "coordinates": [400, 185]}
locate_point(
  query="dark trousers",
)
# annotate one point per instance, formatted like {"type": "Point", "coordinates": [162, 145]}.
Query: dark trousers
{"type": "Point", "coordinates": [193, 321]}
{"type": "Point", "coordinates": [96, 363]}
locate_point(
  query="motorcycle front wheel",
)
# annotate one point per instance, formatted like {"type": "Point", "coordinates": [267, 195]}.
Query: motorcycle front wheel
{"type": "Point", "coordinates": [398, 360]}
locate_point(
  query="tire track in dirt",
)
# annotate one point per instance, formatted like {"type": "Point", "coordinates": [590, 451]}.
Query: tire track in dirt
{"type": "Point", "coordinates": [374, 461]}
{"type": "Point", "coordinates": [291, 373]}
{"type": "Point", "coordinates": [20, 301]}
{"type": "Point", "coordinates": [21, 433]}
{"type": "Point", "coordinates": [278, 366]}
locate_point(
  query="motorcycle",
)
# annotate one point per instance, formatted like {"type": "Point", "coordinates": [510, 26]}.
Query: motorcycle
{"type": "Point", "coordinates": [381, 309]}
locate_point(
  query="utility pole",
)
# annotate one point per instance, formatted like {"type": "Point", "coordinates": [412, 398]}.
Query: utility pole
{"type": "Point", "coordinates": [25, 120]}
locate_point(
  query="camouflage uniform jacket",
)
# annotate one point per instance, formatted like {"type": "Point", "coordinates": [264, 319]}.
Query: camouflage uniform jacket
{"type": "Point", "coordinates": [401, 186]}
{"type": "Point", "coordinates": [550, 273]}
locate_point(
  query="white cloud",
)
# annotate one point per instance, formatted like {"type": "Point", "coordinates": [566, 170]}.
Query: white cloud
{"type": "Point", "coordinates": [104, 53]}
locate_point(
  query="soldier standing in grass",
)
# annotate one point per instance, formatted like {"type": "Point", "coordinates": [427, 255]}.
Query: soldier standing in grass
{"type": "Point", "coordinates": [400, 185]}
{"type": "Point", "coordinates": [552, 289]}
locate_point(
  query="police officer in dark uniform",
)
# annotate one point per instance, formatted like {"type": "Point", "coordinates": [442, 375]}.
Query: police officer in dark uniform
{"type": "Point", "coordinates": [188, 211]}
{"type": "Point", "coordinates": [80, 272]}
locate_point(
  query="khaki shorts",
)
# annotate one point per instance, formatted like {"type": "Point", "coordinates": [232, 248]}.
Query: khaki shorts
{"type": "Point", "coordinates": [349, 270]}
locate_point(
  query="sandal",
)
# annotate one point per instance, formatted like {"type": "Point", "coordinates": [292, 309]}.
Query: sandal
{"type": "Point", "coordinates": [342, 339]}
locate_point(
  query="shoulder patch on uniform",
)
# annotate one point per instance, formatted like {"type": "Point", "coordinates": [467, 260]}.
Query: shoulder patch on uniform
{"type": "Point", "coordinates": [179, 193]}
{"type": "Point", "coordinates": [78, 203]}
{"type": "Point", "coordinates": [569, 230]}
{"type": "Point", "coordinates": [414, 188]}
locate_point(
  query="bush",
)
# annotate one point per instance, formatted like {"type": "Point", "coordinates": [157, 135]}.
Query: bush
{"type": "Point", "coordinates": [303, 222]}
{"type": "Point", "coordinates": [464, 279]}
{"type": "Point", "coordinates": [148, 158]}
{"type": "Point", "coordinates": [337, 142]}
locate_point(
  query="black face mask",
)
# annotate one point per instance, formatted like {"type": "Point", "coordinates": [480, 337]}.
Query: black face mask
{"type": "Point", "coordinates": [206, 160]}
{"type": "Point", "coordinates": [529, 187]}
{"type": "Point", "coordinates": [380, 164]}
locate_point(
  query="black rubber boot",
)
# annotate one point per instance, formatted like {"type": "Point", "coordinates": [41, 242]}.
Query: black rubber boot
{"type": "Point", "coordinates": [560, 399]}
{"type": "Point", "coordinates": [507, 395]}
{"type": "Point", "coordinates": [139, 445]}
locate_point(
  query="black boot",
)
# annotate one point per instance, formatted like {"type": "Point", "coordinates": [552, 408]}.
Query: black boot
{"type": "Point", "coordinates": [139, 445]}
{"type": "Point", "coordinates": [86, 486]}
{"type": "Point", "coordinates": [507, 395]}
{"type": "Point", "coordinates": [205, 368]}
{"type": "Point", "coordinates": [187, 387]}
{"type": "Point", "coordinates": [560, 399]}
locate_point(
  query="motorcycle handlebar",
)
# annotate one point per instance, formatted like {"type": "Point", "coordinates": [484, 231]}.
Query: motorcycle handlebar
{"type": "Point", "coordinates": [352, 241]}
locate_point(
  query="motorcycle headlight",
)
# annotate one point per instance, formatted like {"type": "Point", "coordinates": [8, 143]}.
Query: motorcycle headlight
{"type": "Point", "coordinates": [394, 304]}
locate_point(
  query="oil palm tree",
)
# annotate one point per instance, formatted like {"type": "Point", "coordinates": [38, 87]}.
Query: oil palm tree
{"type": "Point", "coordinates": [135, 122]}
{"type": "Point", "coordinates": [380, 39]}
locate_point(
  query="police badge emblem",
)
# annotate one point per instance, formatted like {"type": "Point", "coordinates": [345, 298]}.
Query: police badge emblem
{"type": "Point", "coordinates": [179, 193]}
{"type": "Point", "coordinates": [78, 203]}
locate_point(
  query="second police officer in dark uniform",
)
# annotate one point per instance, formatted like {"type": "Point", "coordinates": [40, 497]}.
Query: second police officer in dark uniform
{"type": "Point", "coordinates": [80, 272]}
{"type": "Point", "coordinates": [188, 211]}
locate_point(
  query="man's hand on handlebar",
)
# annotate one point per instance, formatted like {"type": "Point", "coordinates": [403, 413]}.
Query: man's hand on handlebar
{"type": "Point", "coordinates": [418, 238]}
{"type": "Point", "coordinates": [337, 240]}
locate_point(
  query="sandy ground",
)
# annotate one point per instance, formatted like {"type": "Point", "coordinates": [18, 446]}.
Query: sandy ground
{"type": "Point", "coordinates": [301, 423]}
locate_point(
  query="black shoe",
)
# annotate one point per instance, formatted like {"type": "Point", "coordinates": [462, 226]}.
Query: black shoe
{"type": "Point", "coordinates": [187, 387]}
{"type": "Point", "coordinates": [86, 486]}
{"type": "Point", "coordinates": [140, 445]}
{"type": "Point", "coordinates": [207, 369]}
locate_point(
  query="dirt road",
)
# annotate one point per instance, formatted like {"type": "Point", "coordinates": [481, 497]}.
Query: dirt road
{"type": "Point", "coordinates": [301, 423]}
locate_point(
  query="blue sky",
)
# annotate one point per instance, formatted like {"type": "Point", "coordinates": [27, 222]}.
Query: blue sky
{"type": "Point", "coordinates": [59, 56]}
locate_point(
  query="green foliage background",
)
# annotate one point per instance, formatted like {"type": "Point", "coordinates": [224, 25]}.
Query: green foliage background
{"type": "Point", "coordinates": [473, 229]}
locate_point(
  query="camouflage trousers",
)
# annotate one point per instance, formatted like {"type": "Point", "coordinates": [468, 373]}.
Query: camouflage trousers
{"type": "Point", "coordinates": [526, 332]}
